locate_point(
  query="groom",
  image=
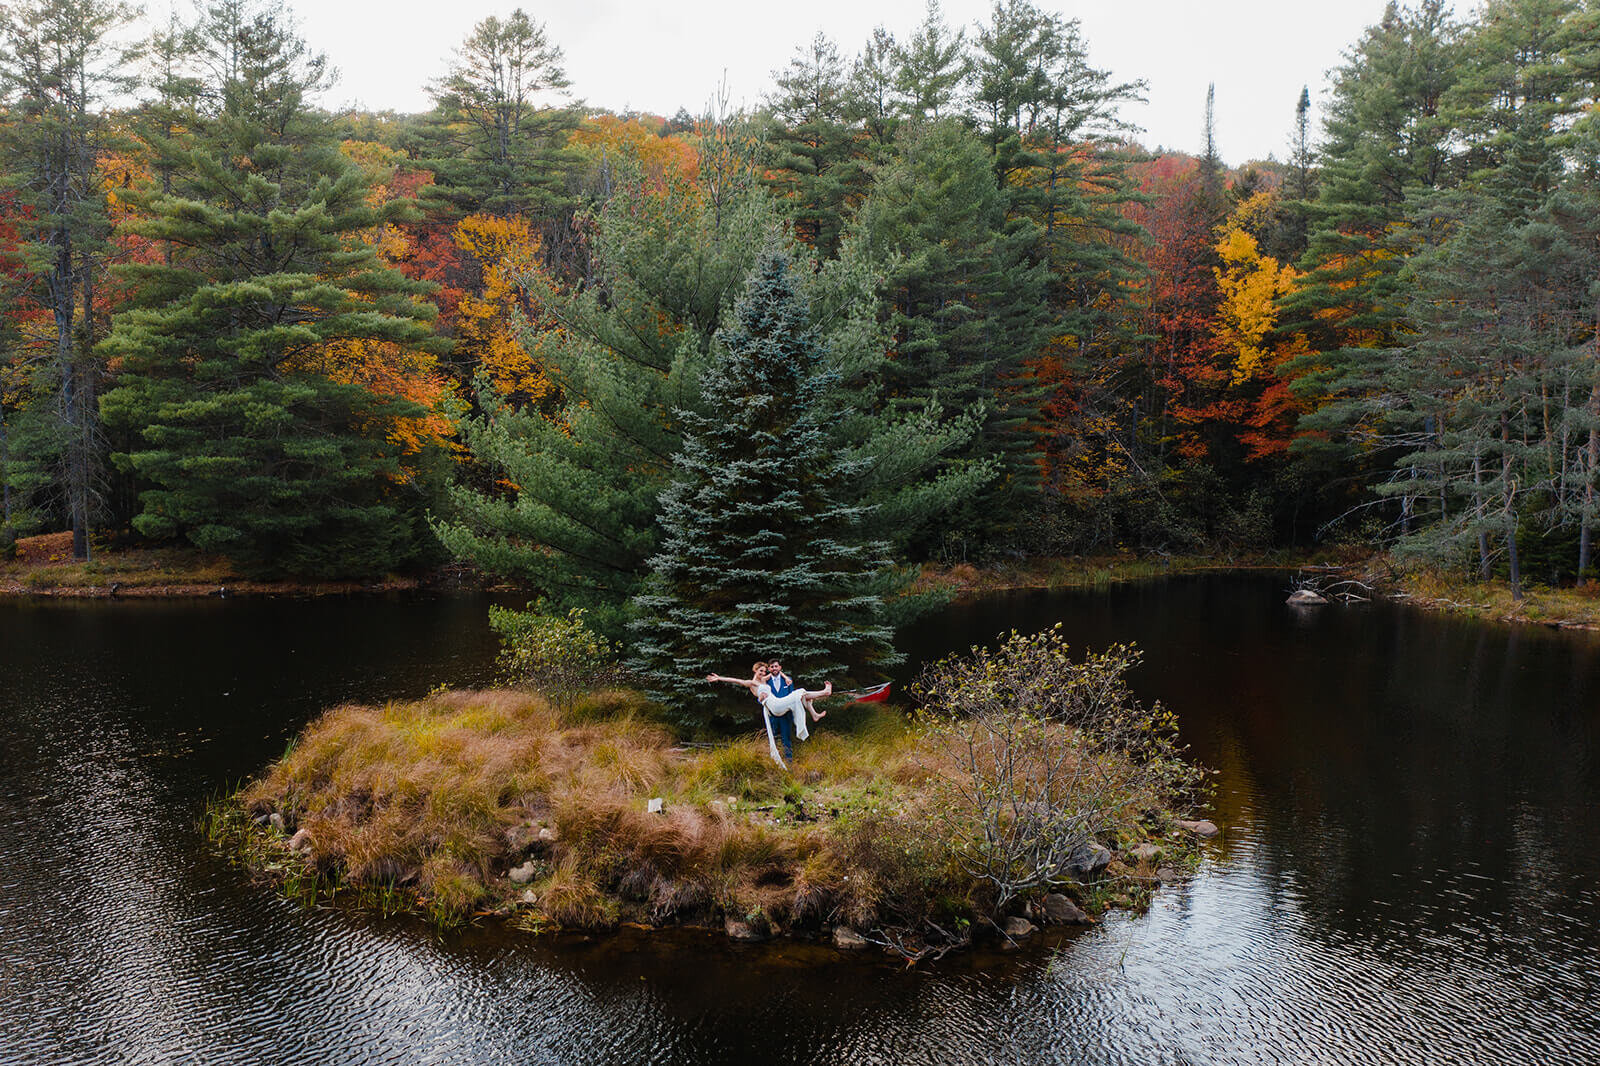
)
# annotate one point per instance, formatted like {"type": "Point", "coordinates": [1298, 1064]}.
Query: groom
{"type": "Point", "coordinates": [782, 684]}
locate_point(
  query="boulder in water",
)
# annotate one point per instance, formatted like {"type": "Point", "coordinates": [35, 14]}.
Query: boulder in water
{"type": "Point", "coordinates": [1017, 930]}
{"type": "Point", "coordinates": [749, 930]}
{"type": "Point", "coordinates": [847, 939]}
{"type": "Point", "coordinates": [1306, 598]}
{"type": "Point", "coordinates": [1057, 909]}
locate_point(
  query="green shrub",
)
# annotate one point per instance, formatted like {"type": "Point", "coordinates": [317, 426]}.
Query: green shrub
{"type": "Point", "coordinates": [559, 656]}
{"type": "Point", "coordinates": [1035, 757]}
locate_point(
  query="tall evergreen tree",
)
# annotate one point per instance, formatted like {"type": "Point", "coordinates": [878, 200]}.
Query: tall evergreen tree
{"type": "Point", "coordinates": [1052, 123]}
{"type": "Point", "coordinates": [1287, 241]}
{"type": "Point", "coordinates": [581, 523]}
{"type": "Point", "coordinates": [1386, 142]}
{"type": "Point", "coordinates": [497, 138]}
{"type": "Point", "coordinates": [243, 445]}
{"type": "Point", "coordinates": [872, 102]}
{"type": "Point", "coordinates": [812, 161]}
{"type": "Point", "coordinates": [934, 68]}
{"type": "Point", "coordinates": [762, 553]}
{"type": "Point", "coordinates": [58, 67]}
{"type": "Point", "coordinates": [964, 305]}
{"type": "Point", "coordinates": [667, 265]}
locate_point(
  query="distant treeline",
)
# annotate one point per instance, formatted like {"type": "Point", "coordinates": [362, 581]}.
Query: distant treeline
{"type": "Point", "coordinates": [348, 343]}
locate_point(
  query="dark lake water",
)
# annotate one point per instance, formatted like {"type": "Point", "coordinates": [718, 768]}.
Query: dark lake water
{"type": "Point", "coordinates": [1408, 870]}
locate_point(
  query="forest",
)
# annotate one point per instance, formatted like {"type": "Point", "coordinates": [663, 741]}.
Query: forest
{"type": "Point", "coordinates": [712, 376]}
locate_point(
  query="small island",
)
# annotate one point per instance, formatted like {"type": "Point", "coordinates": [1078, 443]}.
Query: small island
{"type": "Point", "coordinates": [1030, 788]}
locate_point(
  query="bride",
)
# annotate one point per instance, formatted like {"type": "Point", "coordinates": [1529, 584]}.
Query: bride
{"type": "Point", "coordinates": [788, 710]}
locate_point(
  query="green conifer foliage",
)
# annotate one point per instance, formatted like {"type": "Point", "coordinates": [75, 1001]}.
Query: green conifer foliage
{"type": "Point", "coordinates": [963, 300]}
{"type": "Point", "coordinates": [497, 142]}
{"type": "Point", "coordinates": [241, 443]}
{"type": "Point", "coordinates": [581, 522]}
{"type": "Point", "coordinates": [813, 163]}
{"type": "Point", "coordinates": [762, 553]}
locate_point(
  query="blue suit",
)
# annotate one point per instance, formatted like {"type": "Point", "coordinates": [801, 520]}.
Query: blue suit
{"type": "Point", "coordinates": [781, 687]}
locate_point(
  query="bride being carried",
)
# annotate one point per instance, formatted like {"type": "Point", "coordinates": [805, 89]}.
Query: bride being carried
{"type": "Point", "coordinates": [781, 703]}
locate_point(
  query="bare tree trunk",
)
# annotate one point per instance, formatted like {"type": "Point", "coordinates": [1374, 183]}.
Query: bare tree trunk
{"type": "Point", "coordinates": [88, 418]}
{"type": "Point", "coordinates": [63, 295]}
{"type": "Point", "coordinates": [1509, 491]}
{"type": "Point", "coordinates": [1586, 523]}
{"type": "Point", "coordinates": [5, 478]}
{"type": "Point", "coordinates": [1477, 498]}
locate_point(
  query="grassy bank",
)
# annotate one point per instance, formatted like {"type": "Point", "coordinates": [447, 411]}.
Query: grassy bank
{"type": "Point", "coordinates": [1102, 570]}
{"type": "Point", "coordinates": [1435, 589]}
{"type": "Point", "coordinates": [44, 566]}
{"type": "Point", "coordinates": [470, 804]}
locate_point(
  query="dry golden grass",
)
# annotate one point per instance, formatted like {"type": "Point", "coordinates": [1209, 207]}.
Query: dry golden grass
{"type": "Point", "coordinates": [1574, 608]}
{"type": "Point", "coordinates": [444, 796]}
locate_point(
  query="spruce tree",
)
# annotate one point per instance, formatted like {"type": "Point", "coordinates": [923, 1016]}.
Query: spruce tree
{"type": "Point", "coordinates": [762, 552]}
{"type": "Point", "coordinates": [241, 442]}
{"type": "Point", "coordinates": [581, 523]}
{"type": "Point", "coordinates": [668, 263]}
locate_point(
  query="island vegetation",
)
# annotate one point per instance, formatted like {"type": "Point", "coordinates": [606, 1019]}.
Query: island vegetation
{"type": "Point", "coordinates": [1031, 784]}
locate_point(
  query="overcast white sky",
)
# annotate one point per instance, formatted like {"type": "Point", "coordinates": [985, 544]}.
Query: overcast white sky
{"type": "Point", "coordinates": [658, 57]}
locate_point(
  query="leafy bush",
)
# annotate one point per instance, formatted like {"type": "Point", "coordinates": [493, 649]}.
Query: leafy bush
{"type": "Point", "coordinates": [1035, 756]}
{"type": "Point", "coordinates": [558, 656]}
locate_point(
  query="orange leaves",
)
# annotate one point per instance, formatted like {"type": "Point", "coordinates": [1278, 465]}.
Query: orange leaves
{"type": "Point", "coordinates": [388, 369]}
{"type": "Point", "coordinates": [489, 322]}
{"type": "Point", "coordinates": [662, 160]}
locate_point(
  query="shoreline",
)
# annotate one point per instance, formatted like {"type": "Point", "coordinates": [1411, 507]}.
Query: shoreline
{"type": "Point", "coordinates": [44, 569]}
{"type": "Point", "coordinates": [42, 572]}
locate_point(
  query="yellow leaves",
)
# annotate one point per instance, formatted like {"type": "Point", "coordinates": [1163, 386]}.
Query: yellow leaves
{"type": "Point", "coordinates": [1250, 284]}
{"type": "Point", "coordinates": [662, 159]}
{"type": "Point", "coordinates": [379, 161]}
{"type": "Point", "coordinates": [489, 322]}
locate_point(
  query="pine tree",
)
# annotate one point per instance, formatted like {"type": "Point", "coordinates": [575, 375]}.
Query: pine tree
{"type": "Point", "coordinates": [242, 445]}
{"type": "Point", "coordinates": [1386, 143]}
{"type": "Point", "coordinates": [933, 68]}
{"type": "Point", "coordinates": [963, 302]}
{"type": "Point", "coordinates": [498, 147]}
{"type": "Point", "coordinates": [872, 102]}
{"type": "Point", "coordinates": [762, 552]}
{"type": "Point", "coordinates": [1051, 120]}
{"type": "Point", "coordinates": [812, 160]}
{"type": "Point", "coordinates": [58, 66]}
